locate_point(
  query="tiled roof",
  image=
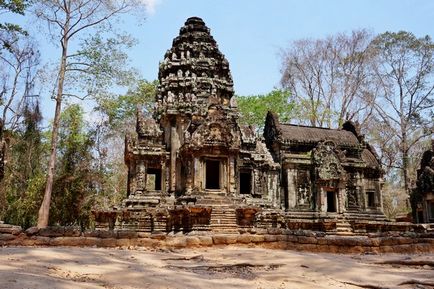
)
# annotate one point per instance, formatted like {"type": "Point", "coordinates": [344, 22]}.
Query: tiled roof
{"type": "Point", "coordinates": [298, 133]}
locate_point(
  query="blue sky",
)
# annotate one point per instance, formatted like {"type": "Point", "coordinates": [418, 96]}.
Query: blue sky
{"type": "Point", "coordinates": [251, 32]}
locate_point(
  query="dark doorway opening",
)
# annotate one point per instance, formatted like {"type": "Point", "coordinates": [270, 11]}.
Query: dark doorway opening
{"type": "Point", "coordinates": [246, 182]}
{"type": "Point", "coordinates": [370, 196]}
{"type": "Point", "coordinates": [331, 201]}
{"type": "Point", "coordinates": [212, 174]}
{"type": "Point", "coordinates": [420, 218]}
{"type": "Point", "coordinates": [153, 180]}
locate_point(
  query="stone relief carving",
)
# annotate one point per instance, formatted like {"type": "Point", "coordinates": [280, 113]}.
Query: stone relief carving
{"type": "Point", "coordinates": [327, 162]}
{"type": "Point", "coordinates": [352, 191]}
{"type": "Point", "coordinates": [303, 188]}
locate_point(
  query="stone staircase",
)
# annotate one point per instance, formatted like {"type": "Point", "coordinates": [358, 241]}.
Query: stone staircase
{"type": "Point", "coordinates": [343, 228]}
{"type": "Point", "coordinates": [223, 215]}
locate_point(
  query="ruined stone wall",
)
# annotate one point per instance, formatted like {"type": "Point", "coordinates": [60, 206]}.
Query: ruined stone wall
{"type": "Point", "coordinates": [391, 242]}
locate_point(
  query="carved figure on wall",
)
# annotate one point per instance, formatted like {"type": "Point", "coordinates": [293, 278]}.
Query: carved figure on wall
{"type": "Point", "coordinates": [141, 178]}
{"type": "Point", "coordinates": [352, 191]}
{"type": "Point", "coordinates": [303, 188]}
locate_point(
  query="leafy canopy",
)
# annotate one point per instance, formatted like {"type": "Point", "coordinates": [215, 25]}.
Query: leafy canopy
{"type": "Point", "coordinates": [254, 108]}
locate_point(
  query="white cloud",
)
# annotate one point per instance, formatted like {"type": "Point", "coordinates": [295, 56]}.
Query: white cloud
{"type": "Point", "coordinates": [151, 5]}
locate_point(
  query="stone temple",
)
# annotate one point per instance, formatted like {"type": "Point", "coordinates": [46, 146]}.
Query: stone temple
{"type": "Point", "coordinates": [193, 167]}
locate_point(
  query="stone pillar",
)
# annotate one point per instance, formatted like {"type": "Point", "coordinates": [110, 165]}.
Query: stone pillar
{"type": "Point", "coordinates": [341, 197]}
{"type": "Point", "coordinates": [196, 177]}
{"type": "Point", "coordinates": [163, 176]}
{"type": "Point", "coordinates": [190, 177]}
{"type": "Point", "coordinates": [174, 145]}
{"type": "Point", "coordinates": [291, 175]}
{"type": "Point", "coordinates": [232, 176]}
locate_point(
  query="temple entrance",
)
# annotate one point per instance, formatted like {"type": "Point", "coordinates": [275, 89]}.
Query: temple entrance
{"type": "Point", "coordinates": [246, 182]}
{"type": "Point", "coordinates": [212, 174]}
{"type": "Point", "coordinates": [370, 197]}
{"type": "Point", "coordinates": [331, 202]}
{"type": "Point", "coordinates": [153, 180]}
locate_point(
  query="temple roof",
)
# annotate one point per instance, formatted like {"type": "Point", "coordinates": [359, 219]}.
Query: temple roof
{"type": "Point", "coordinates": [308, 134]}
{"type": "Point", "coordinates": [194, 73]}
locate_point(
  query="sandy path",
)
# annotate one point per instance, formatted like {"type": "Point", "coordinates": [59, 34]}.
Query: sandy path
{"type": "Point", "coordinates": [229, 267]}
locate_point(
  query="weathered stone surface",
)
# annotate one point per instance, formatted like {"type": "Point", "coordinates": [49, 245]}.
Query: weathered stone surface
{"type": "Point", "coordinates": [257, 238]}
{"type": "Point", "coordinates": [307, 240]}
{"type": "Point", "coordinates": [193, 241]}
{"type": "Point", "coordinates": [126, 234]}
{"type": "Point", "coordinates": [72, 232]}
{"type": "Point", "coordinates": [176, 242]}
{"type": "Point", "coordinates": [52, 231]}
{"type": "Point", "coordinates": [205, 240]}
{"type": "Point", "coordinates": [270, 238]}
{"type": "Point", "coordinates": [67, 241]}
{"type": "Point", "coordinates": [7, 237]}
{"type": "Point", "coordinates": [9, 229]}
{"type": "Point", "coordinates": [244, 239]}
{"type": "Point", "coordinates": [224, 239]}
{"type": "Point", "coordinates": [32, 231]}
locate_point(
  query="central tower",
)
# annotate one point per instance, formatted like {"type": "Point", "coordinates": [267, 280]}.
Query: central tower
{"type": "Point", "coordinates": [196, 113]}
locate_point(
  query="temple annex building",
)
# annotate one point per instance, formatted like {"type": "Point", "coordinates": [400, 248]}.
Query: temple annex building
{"type": "Point", "coordinates": [193, 167]}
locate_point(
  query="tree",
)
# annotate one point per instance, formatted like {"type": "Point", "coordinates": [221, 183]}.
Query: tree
{"type": "Point", "coordinates": [25, 177]}
{"type": "Point", "coordinates": [254, 108]}
{"type": "Point", "coordinates": [117, 116]}
{"type": "Point", "coordinates": [73, 190]}
{"type": "Point", "coordinates": [18, 70]}
{"type": "Point", "coordinates": [404, 70]}
{"type": "Point", "coordinates": [6, 29]}
{"type": "Point", "coordinates": [330, 78]}
{"type": "Point", "coordinates": [67, 20]}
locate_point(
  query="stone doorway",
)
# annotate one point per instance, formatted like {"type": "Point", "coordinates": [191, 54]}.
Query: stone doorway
{"type": "Point", "coordinates": [153, 181]}
{"type": "Point", "coordinates": [212, 174]}
{"type": "Point", "coordinates": [331, 202]}
{"type": "Point", "coordinates": [245, 182]}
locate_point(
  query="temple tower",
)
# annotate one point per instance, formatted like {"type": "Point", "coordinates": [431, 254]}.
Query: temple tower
{"type": "Point", "coordinates": [195, 112]}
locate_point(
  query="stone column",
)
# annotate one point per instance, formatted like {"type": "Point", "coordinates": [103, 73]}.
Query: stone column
{"type": "Point", "coordinates": [232, 176]}
{"type": "Point", "coordinates": [291, 175]}
{"type": "Point", "coordinates": [190, 172]}
{"type": "Point", "coordinates": [174, 146]}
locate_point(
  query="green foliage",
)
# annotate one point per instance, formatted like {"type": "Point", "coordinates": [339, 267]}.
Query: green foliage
{"type": "Point", "coordinates": [16, 7]}
{"type": "Point", "coordinates": [73, 189]}
{"type": "Point", "coordinates": [122, 109]}
{"type": "Point", "coordinates": [25, 178]}
{"type": "Point", "coordinates": [99, 64]}
{"type": "Point", "coordinates": [254, 108]}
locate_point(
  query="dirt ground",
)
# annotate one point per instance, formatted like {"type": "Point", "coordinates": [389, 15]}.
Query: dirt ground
{"type": "Point", "coordinates": [227, 267]}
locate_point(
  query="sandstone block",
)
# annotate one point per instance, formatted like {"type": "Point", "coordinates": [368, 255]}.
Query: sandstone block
{"type": "Point", "coordinates": [67, 241]}
{"type": "Point", "coordinates": [192, 241]}
{"type": "Point", "coordinates": [307, 240]}
{"type": "Point", "coordinates": [244, 239]}
{"type": "Point", "coordinates": [176, 242]}
{"type": "Point", "coordinates": [52, 231]}
{"type": "Point", "coordinates": [72, 231]}
{"type": "Point", "coordinates": [126, 234]}
{"type": "Point", "coordinates": [32, 231]}
{"type": "Point", "coordinates": [258, 238]}
{"type": "Point", "coordinates": [270, 238]}
{"type": "Point", "coordinates": [205, 240]}
{"type": "Point", "coordinates": [7, 237]}
{"type": "Point", "coordinates": [224, 239]}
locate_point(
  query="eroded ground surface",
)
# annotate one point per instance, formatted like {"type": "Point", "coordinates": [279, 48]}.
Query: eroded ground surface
{"type": "Point", "coordinates": [228, 267]}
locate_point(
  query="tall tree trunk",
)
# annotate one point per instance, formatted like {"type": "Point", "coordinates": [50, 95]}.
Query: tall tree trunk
{"type": "Point", "coordinates": [2, 152]}
{"type": "Point", "coordinates": [404, 148]}
{"type": "Point", "coordinates": [44, 210]}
